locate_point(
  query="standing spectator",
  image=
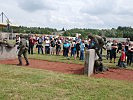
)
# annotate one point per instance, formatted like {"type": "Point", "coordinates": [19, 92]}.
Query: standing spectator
{"type": "Point", "coordinates": [123, 48]}
{"type": "Point", "coordinates": [66, 47]}
{"type": "Point", "coordinates": [58, 47]}
{"type": "Point", "coordinates": [130, 55]}
{"type": "Point", "coordinates": [108, 48]}
{"type": "Point", "coordinates": [122, 59]}
{"type": "Point", "coordinates": [37, 37]}
{"type": "Point", "coordinates": [88, 45]}
{"type": "Point", "coordinates": [126, 48]}
{"type": "Point", "coordinates": [40, 45]}
{"type": "Point", "coordinates": [82, 48]}
{"type": "Point", "coordinates": [119, 47]}
{"type": "Point", "coordinates": [31, 45]}
{"type": "Point", "coordinates": [52, 46]}
{"type": "Point", "coordinates": [47, 46]}
{"type": "Point", "coordinates": [17, 39]}
{"type": "Point", "coordinates": [113, 51]}
{"type": "Point", "coordinates": [73, 49]}
{"type": "Point", "coordinates": [77, 48]}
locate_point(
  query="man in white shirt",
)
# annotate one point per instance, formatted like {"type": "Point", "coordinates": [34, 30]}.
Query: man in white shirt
{"type": "Point", "coordinates": [47, 46]}
{"type": "Point", "coordinates": [108, 48]}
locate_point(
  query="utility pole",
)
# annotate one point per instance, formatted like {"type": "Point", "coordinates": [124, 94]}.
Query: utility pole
{"type": "Point", "coordinates": [2, 16]}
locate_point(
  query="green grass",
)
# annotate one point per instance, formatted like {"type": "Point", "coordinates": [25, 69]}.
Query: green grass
{"type": "Point", "coordinates": [21, 83]}
{"type": "Point", "coordinates": [54, 58]}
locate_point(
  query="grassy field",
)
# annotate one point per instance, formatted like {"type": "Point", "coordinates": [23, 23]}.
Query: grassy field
{"type": "Point", "coordinates": [21, 83]}
{"type": "Point", "coordinates": [55, 58]}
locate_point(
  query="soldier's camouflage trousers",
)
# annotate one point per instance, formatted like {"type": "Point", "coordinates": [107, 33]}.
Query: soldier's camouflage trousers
{"type": "Point", "coordinates": [24, 53]}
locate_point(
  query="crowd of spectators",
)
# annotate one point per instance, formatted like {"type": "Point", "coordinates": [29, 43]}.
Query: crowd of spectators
{"type": "Point", "coordinates": [76, 48]}
{"type": "Point", "coordinates": [57, 46]}
{"type": "Point", "coordinates": [125, 49]}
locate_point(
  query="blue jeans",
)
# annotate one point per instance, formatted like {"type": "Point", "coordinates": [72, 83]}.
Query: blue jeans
{"type": "Point", "coordinates": [81, 54]}
{"type": "Point", "coordinates": [122, 64]}
{"type": "Point", "coordinates": [47, 50]}
{"type": "Point", "coordinates": [73, 52]}
{"type": "Point", "coordinates": [40, 47]}
{"type": "Point", "coordinates": [66, 51]}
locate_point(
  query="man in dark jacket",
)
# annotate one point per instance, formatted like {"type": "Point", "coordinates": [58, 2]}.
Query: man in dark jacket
{"type": "Point", "coordinates": [77, 48]}
{"type": "Point", "coordinates": [31, 44]}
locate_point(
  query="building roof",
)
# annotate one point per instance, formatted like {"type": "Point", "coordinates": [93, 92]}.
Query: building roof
{"type": "Point", "coordinates": [5, 25]}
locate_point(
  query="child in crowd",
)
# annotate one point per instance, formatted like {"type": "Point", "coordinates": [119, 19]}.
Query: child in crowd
{"type": "Point", "coordinates": [122, 59]}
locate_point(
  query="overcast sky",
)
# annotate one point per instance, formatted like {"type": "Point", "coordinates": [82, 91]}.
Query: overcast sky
{"type": "Point", "coordinates": [69, 13]}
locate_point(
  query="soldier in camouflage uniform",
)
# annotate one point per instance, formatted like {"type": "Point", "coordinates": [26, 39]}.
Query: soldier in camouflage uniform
{"type": "Point", "coordinates": [23, 49]}
{"type": "Point", "coordinates": [98, 43]}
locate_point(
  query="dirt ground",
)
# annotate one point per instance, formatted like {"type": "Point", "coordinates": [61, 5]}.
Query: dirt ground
{"type": "Point", "coordinates": [117, 74]}
{"type": "Point", "coordinates": [52, 66]}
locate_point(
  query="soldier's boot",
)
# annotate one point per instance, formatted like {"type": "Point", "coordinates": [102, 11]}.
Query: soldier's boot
{"type": "Point", "coordinates": [20, 61]}
{"type": "Point", "coordinates": [98, 54]}
{"type": "Point", "coordinates": [27, 62]}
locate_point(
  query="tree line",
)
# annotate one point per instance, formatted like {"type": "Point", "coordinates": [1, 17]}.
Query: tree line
{"type": "Point", "coordinates": [31, 30]}
{"type": "Point", "coordinates": [120, 32]}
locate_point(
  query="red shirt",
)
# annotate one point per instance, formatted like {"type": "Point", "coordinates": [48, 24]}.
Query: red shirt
{"type": "Point", "coordinates": [32, 41]}
{"type": "Point", "coordinates": [123, 56]}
